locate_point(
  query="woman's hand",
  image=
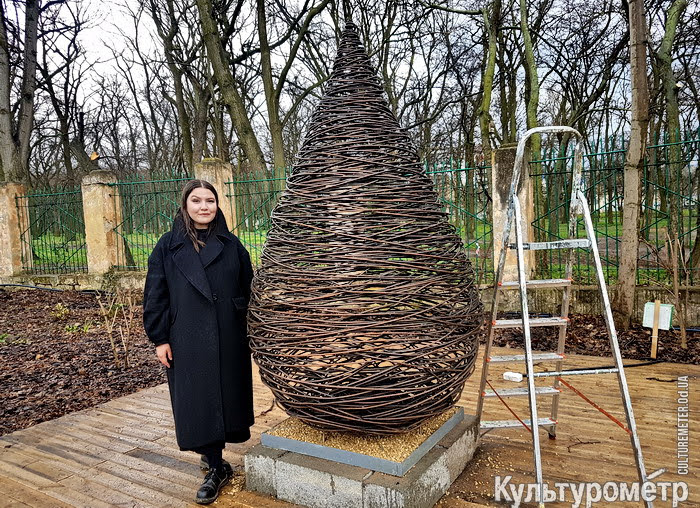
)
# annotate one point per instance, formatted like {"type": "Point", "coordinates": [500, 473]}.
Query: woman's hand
{"type": "Point", "coordinates": [164, 354]}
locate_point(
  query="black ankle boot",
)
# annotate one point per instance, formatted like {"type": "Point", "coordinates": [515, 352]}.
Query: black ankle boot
{"type": "Point", "coordinates": [204, 465]}
{"type": "Point", "coordinates": [213, 482]}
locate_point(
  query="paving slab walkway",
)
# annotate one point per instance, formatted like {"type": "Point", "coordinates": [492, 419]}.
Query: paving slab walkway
{"type": "Point", "coordinates": [123, 452]}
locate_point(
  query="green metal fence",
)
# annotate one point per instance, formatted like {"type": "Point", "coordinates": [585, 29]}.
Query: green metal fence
{"type": "Point", "coordinates": [145, 211]}
{"type": "Point", "coordinates": [602, 183]}
{"type": "Point", "coordinates": [670, 210]}
{"type": "Point", "coordinates": [670, 202]}
{"type": "Point", "coordinates": [52, 231]}
{"type": "Point", "coordinates": [463, 192]}
{"type": "Point", "coordinates": [253, 198]}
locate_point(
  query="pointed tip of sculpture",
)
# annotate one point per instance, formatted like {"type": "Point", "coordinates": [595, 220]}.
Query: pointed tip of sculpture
{"type": "Point", "coordinates": [347, 12]}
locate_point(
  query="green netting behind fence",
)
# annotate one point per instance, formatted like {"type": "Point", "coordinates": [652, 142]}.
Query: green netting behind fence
{"type": "Point", "coordinates": [145, 211]}
{"type": "Point", "coordinates": [52, 231]}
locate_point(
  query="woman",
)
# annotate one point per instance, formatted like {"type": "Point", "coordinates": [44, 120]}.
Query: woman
{"type": "Point", "coordinates": [194, 311]}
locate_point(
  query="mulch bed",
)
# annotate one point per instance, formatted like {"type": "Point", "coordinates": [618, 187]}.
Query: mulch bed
{"type": "Point", "coordinates": [587, 335]}
{"type": "Point", "coordinates": [55, 362]}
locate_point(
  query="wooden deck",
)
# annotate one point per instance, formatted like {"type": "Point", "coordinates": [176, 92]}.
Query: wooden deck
{"type": "Point", "coordinates": [123, 453]}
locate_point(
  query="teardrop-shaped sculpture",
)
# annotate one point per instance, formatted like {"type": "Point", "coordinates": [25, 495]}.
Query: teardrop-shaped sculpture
{"type": "Point", "coordinates": [364, 314]}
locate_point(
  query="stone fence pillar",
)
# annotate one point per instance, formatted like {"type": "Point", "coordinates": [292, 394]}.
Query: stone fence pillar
{"type": "Point", "coordinates": [12, 224]}
{"type": "Point", "coordinates": [217, 173]}
{"type": "Point", "coordinates": [501, 176]}
{"type": "Point", "coordinates": [101, 213]}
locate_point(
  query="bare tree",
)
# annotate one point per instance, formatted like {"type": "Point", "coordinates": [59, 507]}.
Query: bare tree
{"type": "Point", "coordinates": [16, 118]}
{"type": "Point", "coordinates": [215, 44]}
{"type": "Point", "coordinates": [623, 303]}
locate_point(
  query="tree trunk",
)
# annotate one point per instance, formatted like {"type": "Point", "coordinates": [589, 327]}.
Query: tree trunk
{"type": "Point", "coordinates": [229, 93]}
{"type": "Point", "coordinates": [269, 87]}
{"type": "Point", "coordinates": [485, 120]}
{"type": "Point", "coordinates": [7, 145]}
{"type": "Point", "coordinates": [675, 166]}
{"type": "Point", "coordinates": [623, 304]}
{"type": "Point", "coordinates": [532, 94]}
{"type": "Point", "coordinates": [14, 147]}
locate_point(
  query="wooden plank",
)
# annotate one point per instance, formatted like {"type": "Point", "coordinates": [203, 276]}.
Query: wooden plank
{"type": "Point", "coordinates": [132, 407]}
{"type": "Point", "coordinates": [106, 493]}
{"type": "Point", "coordinates": [93, 437]}
{"type": "Point", "coordinates": [128, 416]}
{"type": "Point", "coordinates": [10, 502]}
{"type": "Point", "coordinates": [61, 461]}
{"type": "Point", "coordinates": [75, 497]}
{"type": "Point", "coordinates": [123, 427]}
{"type": "Point", "coordinates": [145, 496]}
{"type": "Point", "coordinates": [29, 497]}
{"type": "Point", "coordinates": [162, 466]}
{"type": "Point", "coordinates": [655, 331]}
{"type": "Point", "coordinates": [17, 469]}
{"type": "Point", "coordinates": [68, 447]}
{"type": "Point", "coordinates": [160, 483]}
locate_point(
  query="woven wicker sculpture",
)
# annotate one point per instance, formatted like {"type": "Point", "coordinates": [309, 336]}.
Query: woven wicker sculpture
{"type": "Point", "coordinates": [364, 314]}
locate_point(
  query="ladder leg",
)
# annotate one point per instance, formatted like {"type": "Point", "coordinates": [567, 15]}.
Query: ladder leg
{"type": "Point", "coordinates": [614, 346]}
{"type": "Point", "coordinates": [490, 331]}
{"type": "Point", "coordinates": [494, 310]}
{"type": "Point", "coordinates": [532, 396]}
{"type": "Point", "coordinates": [566, 296]}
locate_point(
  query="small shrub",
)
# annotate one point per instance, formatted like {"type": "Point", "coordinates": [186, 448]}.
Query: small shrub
{"type": "Point", "coordinates": [60, 312]}
{"type": "Point", "coordinates": [86, 326]}
{"type": "Point", "coordinates": [83, 328]}
{"type": "Point", "coordinates": [117, 311]}
{"type": "Point", "coordinates": [73, 328]}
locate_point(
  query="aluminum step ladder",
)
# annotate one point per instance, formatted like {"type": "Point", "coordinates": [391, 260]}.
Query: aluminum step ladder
{"type": "Point", "coordinates": [578, 207]}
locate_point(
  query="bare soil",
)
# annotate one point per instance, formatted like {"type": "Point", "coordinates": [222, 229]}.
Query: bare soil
{"type": "Point", "coordinates": [587, 335]}
{"type": "Point", "coordinates": [55, 360]}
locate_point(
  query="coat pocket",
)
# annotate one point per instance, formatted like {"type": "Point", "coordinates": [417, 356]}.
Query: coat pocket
{"type": "Point", "coordinates": [173, 317]}
{"type": "Point", "coordinates": [240, 303]}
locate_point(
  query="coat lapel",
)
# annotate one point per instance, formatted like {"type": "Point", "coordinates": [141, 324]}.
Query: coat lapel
{"type": "Point", "coordinates": [190, 264]}
{"type": "Point", "coordinates": [211, 250]}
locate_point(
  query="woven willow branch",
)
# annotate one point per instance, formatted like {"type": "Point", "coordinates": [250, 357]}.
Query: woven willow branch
{"type": "Point", "coordinates": [364, 314]}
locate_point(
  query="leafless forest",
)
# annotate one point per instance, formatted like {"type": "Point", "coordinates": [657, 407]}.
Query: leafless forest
{"type": "Point", "coordinates": [178, 80]}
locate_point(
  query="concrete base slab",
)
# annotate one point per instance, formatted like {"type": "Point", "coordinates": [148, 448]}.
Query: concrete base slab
{"type": "Point", "coordinates": [322, 483]}
{"type": "Point", "coordinates": [359, 459]}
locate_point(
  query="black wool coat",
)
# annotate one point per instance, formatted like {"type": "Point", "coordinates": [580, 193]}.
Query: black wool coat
{"type": "Point", "coordinates": [198, 303]}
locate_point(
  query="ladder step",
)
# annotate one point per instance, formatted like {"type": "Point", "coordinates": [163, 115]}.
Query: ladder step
{"type": "Point", "coordinates": [535, 284]}
{"type": "Point", "coordinates": [518, 392]}
{"type": "Point", "coordinates": [521, 358]}
{"type": "Point", "coordinates": [518, 323]}
{"type": "Point", "coordinates": [501, 424]}
{"type": "Point", "coordinates": [574, 243]}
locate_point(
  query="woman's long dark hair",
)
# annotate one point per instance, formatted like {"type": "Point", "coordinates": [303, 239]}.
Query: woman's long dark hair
{"type": "Point", "coordinates": [187, 222]}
